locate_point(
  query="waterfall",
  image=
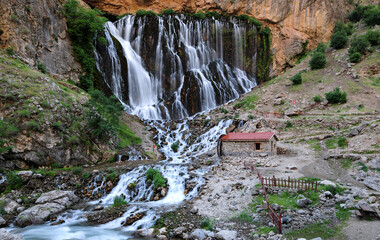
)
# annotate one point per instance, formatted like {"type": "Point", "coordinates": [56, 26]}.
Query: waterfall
{"type": "Point", "coordinates": [171, 67]}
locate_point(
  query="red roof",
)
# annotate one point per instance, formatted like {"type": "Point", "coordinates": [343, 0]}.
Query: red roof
{"type": "Point", "coordinates": [248, 136]}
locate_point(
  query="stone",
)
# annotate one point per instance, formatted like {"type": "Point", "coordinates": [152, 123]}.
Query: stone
{"type": "Point", "coordinates": [328, 183]}
{"type": "Point", "coordinates": [263, 154]}
{"type": "Point", "coordinates": [349, 204]}
{"type": "Point", "coordinates": [98, 208]}
{"type": "Point", "coordinates": [293, 112]}
{"type": "Point", "coordinates": [328, 194]}
{"type": "Point", "coordinates": [374, 163]}
{"type": "Point", "coordinates": [178, 231]}
{"type": "Point", "coordinates": [161, 237]}
{"type": "Point", "coordinates": [372, 199]}
{"type": "Point", "coordinates": [10, 206]}
{"type": "Point", "coordinates": [198, 234]}
{"type": "Point", "coordinates": [362, 203]}
{"type": "Point", "coordinates": [5, 235]}
{"type": "Point", "coordinates": [318, 238]}
{"type": "Point", "coordinates": [38, 214]}
{"type": "Point", "coordinates": [226, 235]}
{"type": "Point", "coordinates": [286, 220]}
{"type": "Point", "coordinates": [194, 210]}
{"type": "Point", "coordinates": [359, 192]}
{"type": "Point", "coordinates": [65, 198]}
{"type": "Point", "coordinates": [162, 231]}
{"type": "Point", "coordinates": [303, 202]}
{"type": "Point", "coordinates": [2, 222]}
{"type": "Point", "coordinates": [145, 232]}
{"type": "Point", "coordinates": [25, 175]}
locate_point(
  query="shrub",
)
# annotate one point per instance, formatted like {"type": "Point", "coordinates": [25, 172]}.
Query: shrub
{"type": "Point", "coordinates": [372, 16]}
{"type": "Point", "coordinates": [169, 12]}
{"type": "Point", "coordinates": [199, 15]}
{"type": "Point", "coordinates": [223, 110]}
{"type": "Point", "coordinates": [341, 27]}
{"type": "Point", "coordinates": [153, 175]}
{"type": "Point", "coordinates": [14, 181]}
{"type": "Point", "coordinates": [175, 146]}
{"type": "Point", "coordinates": [338, 40]}
{"type": "Point", "coordinates": [73, 140]}
{"type": "Point", "coordinates": [41, 67]}
{"type": "Point", "coordinates": [56, 165]}
{"type": "Point", "coordinates": [358, 13]}
{"type": "Point", "coordinates": [373, 37]}
{"type": "Point", "coordinates": [318, 61]}
{"type": "Point", "coordinates": [140, 13]}
{"type": "Point", "coordinates": [24, 113]}
{"type": "Point", "coordinates": [358, 44]}
{"type": "Point", "coordinates": [77, 170]}
{"type": "Point", "coordinates": [119, 201]}
{"type": "Point", "coordinates": [83, 25]}
{"type": "Point", "coordinates": [213, 14]}
{"type": "Point", "coordinates": [321, 48]}
{"type": "Point", "coordinates": [296, 79]}
{"type": "Point", "coordinates": [111, 176]}
{"type": "Point", "coordinates": [206, 224]}
{"type": "Point", "coordinates": [33, 125]}
{"type": "Point", "coordinates": [85, 176]}
{"type": "Point", "coordinates": [336, 96]}
{"type": "Point", "coordinates": [250, 116]}
{"type": "Point", "coordinates": [10, 51]}
{"type": "Point", "coordinates": [317, 98]}
{"type": "Point", "coordinates": [288, 124]}
{"type": "Point", "coordinates": [57, 125]}
{"type": "Point", "coordinates": [354, 57]}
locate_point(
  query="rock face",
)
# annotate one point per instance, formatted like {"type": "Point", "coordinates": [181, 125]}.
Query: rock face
{"type": "Point", "coordinates": [37, 32]}
{"type": "Point", "coordinates": [5, 235]}
{"type": "Point", "coordinates": [292, 22]}
{"type": "Point", "coordinates": [49, 203]}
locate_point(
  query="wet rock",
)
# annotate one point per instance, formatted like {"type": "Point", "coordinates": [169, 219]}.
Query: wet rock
{"type": "Point", "coordinates": [178, 231]}
{"type": "Point", "coordinates": [145, 232]}
{"type": "Point", "coordinates": [10, 206]}
{"type": "Point", "coordinates": [5, 235]}
{"type": "Point", "coordinates": [98, 208]}
{"type": "Point", "coordinates": [162, 231]}
{"type": "Point", "coordinates": [132, 219]}
{"type": "Point", "coordinates": [2, 222]}
{"type": "Point", "coordinates": [161, 237]}
{"type": "Point", "coordinates": [38, 214]}
{"type": "Point", "coordinates": [226, 235]}
{"type": "Point", "coordinates": [194, 210]}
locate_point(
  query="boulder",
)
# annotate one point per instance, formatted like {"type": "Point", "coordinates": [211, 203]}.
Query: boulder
{"type": "Point", "coordinates": [303, 202]}
{"type": "Point", "coordinates": [2, 222]}
{"type": "Point", "coordinates": [374, 163]}
{"type": "Point", "coordinates": [38, 214]}
{"type": "Point", "coordinates": [359, 192]}
{"type": "Point", "coordinates": [328, 183]}
{"type": "Point", "coordinates": [373, 183]}
{"type": "Point", "coordinates": [5, 235]}
{"type": "Point", "coordinates": [200, 234]}
{"type": "Point", "coordinates": [65, 198]}
{"type": "Point", "coordinates": [226, 235]}
{"type": "Point", "coordinates": [10, 206]}
{"type": "Point", "coordinates": [293, 112]}
{"type": "Point", "coordinates": [145, 232]}
{"type": "Point", "coordinates": [25, 175]}
{"type": "Point", "coordinates": [178, 231]}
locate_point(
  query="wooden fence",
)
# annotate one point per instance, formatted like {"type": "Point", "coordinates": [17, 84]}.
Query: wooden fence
{"type": "Point", "coordinates": [290, 183]}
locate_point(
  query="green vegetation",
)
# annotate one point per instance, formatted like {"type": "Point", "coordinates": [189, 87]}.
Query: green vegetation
{"type": "Point", "coordinates": [315, 230]}
{"type": "Point", "coordinates": [247, 103]}
{"type": "Point", "coordinates": [355, 57]}
{"type": "Point", "coordinates": [83, 26]}
{"type": "Point", "coordinates": [359, 44]}
{"type": "Point", "coordinates": [33, 125]}
{"type": "Point", "coordinates": [41, 67]}
{"type": "Point", "coordinates": [153, 175]}
{"type": "Point", "coordinates": [24, 113]}
{"type": "Point", "coordinates": [336, 96]}
{"type": "Point", "coordinates": [169, 12]}
{"type": "Point", "coordinates": [373, 37]}
{"type": "Point", "coordinates": [6, 130]}
{"type": "Point", "coordinates": [342, 142]}
{"type": "Point", "coordinates": [331, 143]}
{"type": "Point", "coordinates": [363, 166]}
{"type": "Point", "coordinates": [199, 15]}
{"type": "Point", "coordinates": [318, 61]}
{"type": "Point", "coordinates": [245, 217]}
{"type": "Point", "coordinates": [77, 170]}
{"type": "Point", "coordinates": [288, 124]}
{"type": "Point", "coordinates": [140, 13]}
{"type": "Point", "coordinates": [206, 224]}
{"type": "Point", "coordinates": [119, 201]}
{"type": "Point", "coordinates": [346, 163]}
{"type": "Point", "coordinates": [250, 116]}
{"type": "Point", "coordinates": [340, 37]}
{"type": "Point", "coordinates": [265, 230]}
{"type": "Point", "coordinates": [315, 145]}
{"type": "Point", "coordinates": [175, 146]}
{"type": "Point", "coordinates": [296, 79]}
{"type": "Point", "coordinates": [57, 125]}
{"type": "Point", "coordinates": [317, 98]}
{"type": "Point", "coordinates": [85, 176]}
{"type": "Point", "coordinates": [103, 119]}
{"type": "Point", "coordinates": [111, 176]}
{"type": "Point", "coordinates": [321, 48]}
{"type": "Point", "coordinates": [370, 14]}
{"type": "Point", "coordinates": [10, 51]}
{"type": "Point", "coordinates": [73, 140]}
{"type": "Point", "coordinates": [14, 181]}
{"type": "Point", "coordinates": [223, 110]}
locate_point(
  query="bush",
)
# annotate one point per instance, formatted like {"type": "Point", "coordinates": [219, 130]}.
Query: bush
{"type": "Point", "coordinates": [358, 13]}
{"type": "Point", "coordinates": [372, 16]}
{"type": "Point", "coordinates": [250, 116]}
{"type": "Point", "coordinates": [140, 13]}
{"type": "Point", "coordinates": [336, 96]}
{"type": "Point", "coordinates": [10, 51]}
{"type": "Point", "coordinates": [338, 40]}
{"type": "Point", "coordinates": [119, 201]}
{"type": "Point", "coordinates": [373, 37]}
{"type": "Point", "coordinates": [24, 113]}
{"type": "Point", "coordinates": [223, 110]}
{"type": "Point", "coordinates": [213, 14]}
{"type": "Point", "coordinates": [41, 67]}
{"type": "Point", "coordinates": [175, 146]}
{"type": "Point", "coordinates": [321, 48]}
{"type": "Point", "coordinates": [296, 79]}
{"type": "Point", "coordinates": [318, 61]}
{"type": "Point", "coordinates": [169, 12]}
{"type": "Point", "coordinates": [358, 44]}
{"type": "Point", "coordinates": [341, 27]}
{"type": "Point", "coordinates": [153, 175]}
{"type": "Point", "coordinates": [317, 98]}
{"type": "Point", "coordinates": [85, 176]}
{"type": "Point", "coordinates": [111, 176]}
{"type": "Point", "coordinates": [55, 165]}
{"type": "Point", "coordinates": [33, 125]}
{"type": "Point", "coordinates": [77, 170]}
{"type": "Point", "coordinates": [206, 224]}
{"type": "Point", "coordinates": [199, 15]}
{"type": "Point", "coordinates": [13, 181]}
{"type": "Point", "coordinates": [355, 57]}
{"type": "Point", "coordinates": [57, 125]}
{"type": "Point", "coordinates": [342, 142]}
{"type": "Point", "coordinates": [73, 140]}
{"type": "Point", "coordinates": [288, 124]}
{"type": "Point", "coordinates": [83, 25]}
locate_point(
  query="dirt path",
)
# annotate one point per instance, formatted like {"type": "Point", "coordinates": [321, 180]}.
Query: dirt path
{"type": "Point", "coordinates": [358, 229]}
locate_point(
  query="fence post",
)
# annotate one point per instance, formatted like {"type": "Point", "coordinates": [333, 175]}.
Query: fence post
{"type": "Point", "coordinates": [279, 223]}
{"type": "Point", "coordinates": [274, 181]}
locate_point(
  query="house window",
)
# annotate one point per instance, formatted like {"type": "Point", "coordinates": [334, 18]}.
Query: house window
{"type": "Point", "coordinates": [257, 146]}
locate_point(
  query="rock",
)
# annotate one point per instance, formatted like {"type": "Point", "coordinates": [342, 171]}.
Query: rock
{"type": "Point", "coordinates": [372, 199]}
{"type": "Point", "coordinates": [362, 203]}
{"type": "Point", "coordinates": [162, 231]}
{"type": "Point", "coordinates": [5, 235]}
{"type": "Point", "coordinates": [286, 220]}
{"type": "Point", "coordinates": [178, 231]}
{"type": "Point", "coordinates": [2, 222]}
{"type": "Point", "coordinates": [263, 154]}
{"type": "Point", "coordinates": [194, 210]}
{"type": "Point", "coordinates": [318, 238]}
{"type": "Point", "coordinates": [200, 234]}
{"type": "Point", "coordinates": [20, 209]}
{"type": "Point", "coordinates": [161, 237]}
{"type": "Point", "coordinates": [226, 235]}
{"type": "Point", "coordinates": [359, 192]}
{"type": "Point", "coordinates": [275, 206]}
{"type": "Point", "coordinates": [328, 183]}
{"type": "Point", "coordinates": [98, 208]}
{"type": "Point", "coordinates": [374, 163]}
{"type": "Point", "coordinates": [65, 198]}
{"type": "Point", "coordinates": [303, 202]}
{"type": "Point", "coordinates": [25, 175]}
{"type": "Point", "coordinates": [328, 194]}
{"type": "Point", "coordinates": [293, 112]}
{"type": "Point", "coordinates": [145, 232]}
{"type": "Point", "coordinates": [349, 204]}
{"type": "Point", "coordinates": [38, 214]}
{"type": "Point", "coordinates": [10, 206]}
{"type": "Point", "coordinates": [354, 132]}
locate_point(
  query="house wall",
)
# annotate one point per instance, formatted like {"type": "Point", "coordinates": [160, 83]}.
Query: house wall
{"type": "Point", "coordinates": [247, 148]}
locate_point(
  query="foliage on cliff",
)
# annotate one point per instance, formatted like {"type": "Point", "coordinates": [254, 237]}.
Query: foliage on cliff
{"type": "Point", "coordinates": [83, 26]}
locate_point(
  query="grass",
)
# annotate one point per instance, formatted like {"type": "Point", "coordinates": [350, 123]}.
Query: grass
{"type": "Point", "coordinates": [153, 175]}
{"type": "Point", "coordinates": [265, 230]}
{"type": "Point", "coordinates": [77, 170]}
{"type": "Point", "coordinates": [247, 103]}
{"type": "Point", "coordinates": [315, 145]}
{"type": "Point", "coordinates": [346, 163]}
{"type": "Point", "coordinates": [111, 176]}
{"type": "Point", "coordinates": [315, 230]}
{"type": "Point", "coordinates": [119, 201]}
{"type": "Point", "coordinates": [363, 166]}
{"type": "Point", "coordinates": [207, 224]}
{"type": "Point", "coordinates": [244, 217]}
{"type": "Point", "coordinates": [331, 143]}
{"type": "Point", "coordinates": [342, 214]}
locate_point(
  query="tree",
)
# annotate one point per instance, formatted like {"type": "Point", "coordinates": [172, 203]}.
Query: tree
{"type": "Point", "coordinates": [336, 96]}
{"type": "Point", "coordinates": [318, 61]}
{"type": "Point", "coordinates": [358, 44]}
{"type": "Point", "coordinates": [339, 40]}
{"type": "Point", "coordinates": [296, 79]}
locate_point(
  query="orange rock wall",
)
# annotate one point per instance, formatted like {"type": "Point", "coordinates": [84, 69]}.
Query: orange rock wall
{"type": "Point", "coordinates": [292, 21]}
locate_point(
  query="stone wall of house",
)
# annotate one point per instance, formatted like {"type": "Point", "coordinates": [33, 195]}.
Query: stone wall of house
{"type": "Point", "coordinates": [241, 148]}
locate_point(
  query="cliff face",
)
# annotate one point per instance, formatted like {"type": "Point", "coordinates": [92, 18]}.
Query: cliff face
{"type": "Point", "coordinates": [292, 21]}
{"type": "Point", "coordinates": [36, 30]}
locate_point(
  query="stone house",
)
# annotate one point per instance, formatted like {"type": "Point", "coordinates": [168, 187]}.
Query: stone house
{"type": "Point", "coordinates": [247, 144]}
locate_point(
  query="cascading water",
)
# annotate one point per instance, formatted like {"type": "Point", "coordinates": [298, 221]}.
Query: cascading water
{"type": "Point", "coordinates": [163, 68]}
{"type": "Point", "coordinates": [171, 67]}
